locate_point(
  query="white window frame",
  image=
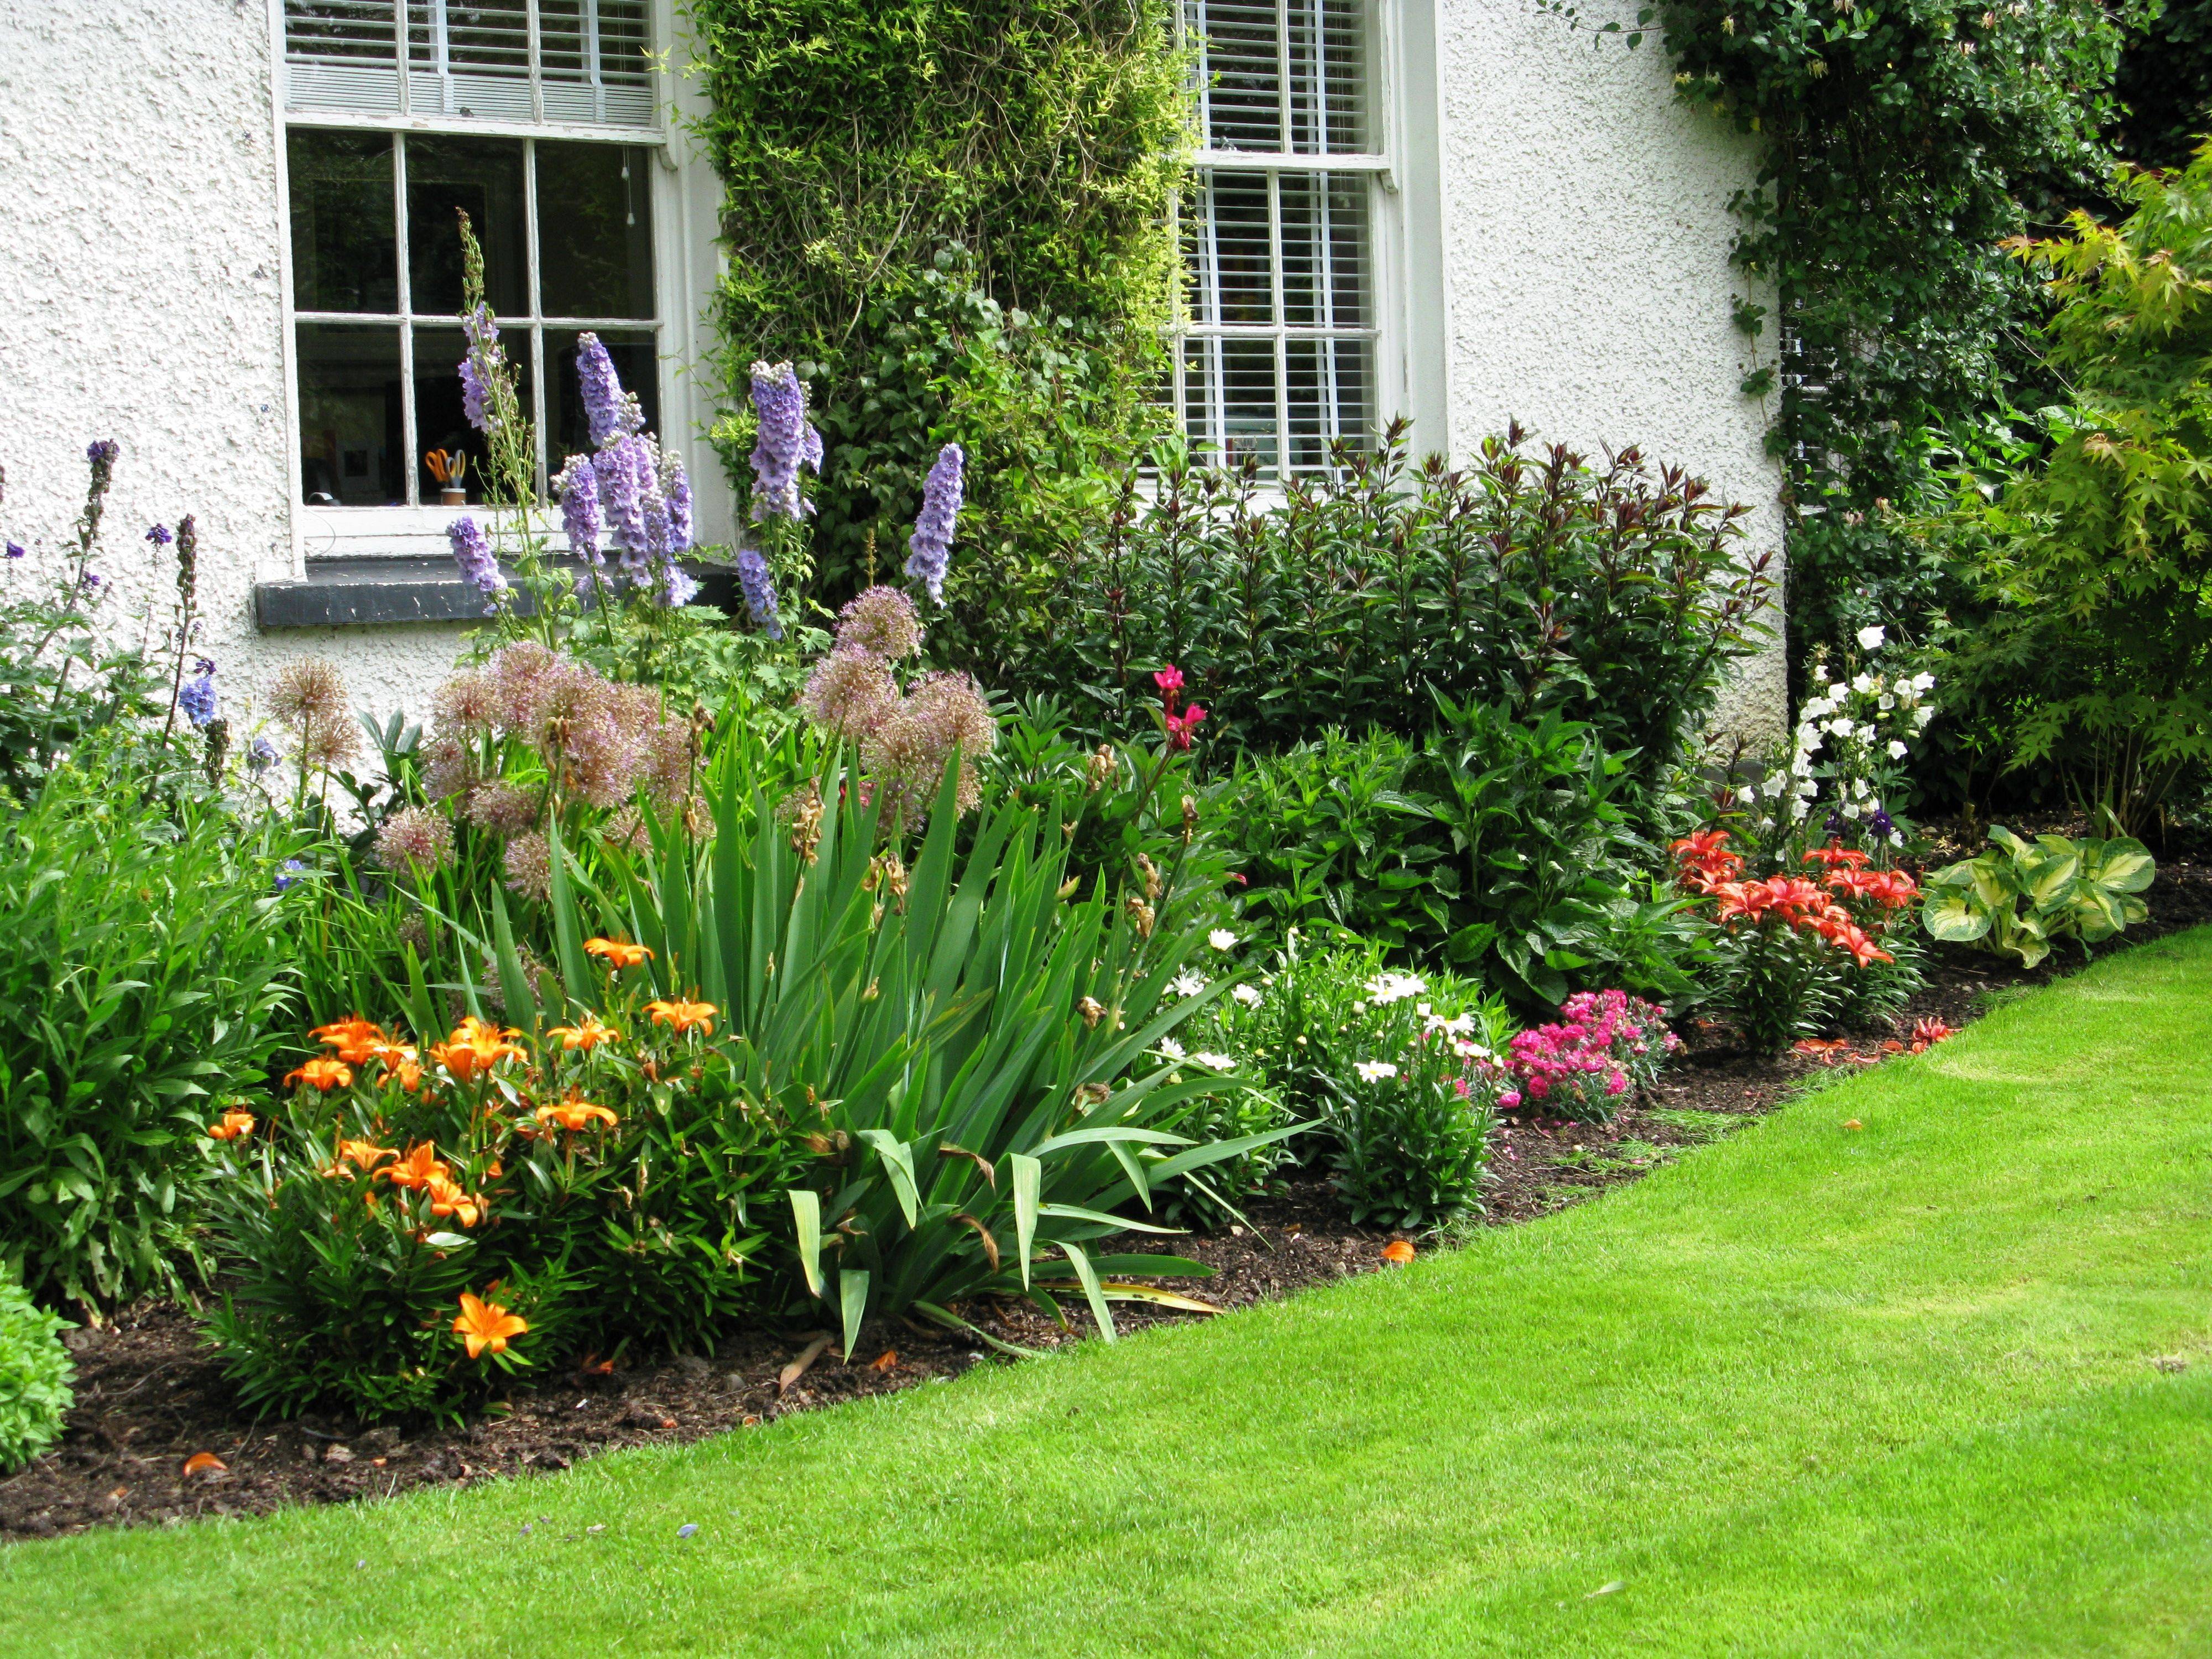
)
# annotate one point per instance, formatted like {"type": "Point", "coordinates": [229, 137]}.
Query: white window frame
{"type": "Point", "coordinates": [1384, 332]}
{"type": "Point", "coordinates": [323, 531]}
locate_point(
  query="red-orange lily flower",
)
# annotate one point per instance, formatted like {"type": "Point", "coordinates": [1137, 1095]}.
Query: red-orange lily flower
{"type": "Point", "coordinates": [353, 1040]}
{"type": "Point", "coordinates": [682, 1016]}
{"type": "Point", "coordinates": [587, 1034]}
{"type": "Point", "coordinates": [446, 1198]}
{"type": "Point", "coordinates": [417, 1169]}
{"type": "Point", "coordinates": [323, 1072]}
{"type": "Point", "coordinates": [617, 952]}
{"type": "Point", "coordinates": [576, 1115]}
{"type": "Point", "coordinates": [486, 1325]}
{"type": "Point", "coordinates": [475, 1047]}
{"type": "Point", "coordinates": [364, 1155]}
{"type": "Point", "coordinates": [234, 1125]}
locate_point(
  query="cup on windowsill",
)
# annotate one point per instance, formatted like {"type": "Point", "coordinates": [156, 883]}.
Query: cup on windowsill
{"type": "Point", "coordinates": [452, 497]}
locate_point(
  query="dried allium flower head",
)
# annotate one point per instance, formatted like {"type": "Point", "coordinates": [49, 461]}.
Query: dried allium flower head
{"type": "Point", "coordinates": [529, 864]}
{"type": "Point", "coordinates": [626, 830]}
{"type": "Point", "coordinates": [449, 767]}
{"type": "Point", "coordinates": [670, 751]}
{"type": "Point", "coordinates": [882, 620]}
{"type": "Point", "coordinates": [909, 751]}
{"type": "Point", "coordinates": [849, 694]}
{"type": "Point", "coordinates": [309, 699]}
{"type": "Point", "coordinates": [516, 675]}
{"type": "Point", "coordinates": [465, 702]}
{"type": "Point", "coordinates": [502, 808]}
{"type": "Point", "coordinates": [419, 835]}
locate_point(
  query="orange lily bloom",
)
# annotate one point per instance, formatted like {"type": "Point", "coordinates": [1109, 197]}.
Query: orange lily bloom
{"type": "Point", "coordinates": [353, 1040]}
{"type": "Point", "coordinates": [486, 1325]}
{"type": "Point", "coordinates": [587, 1036]}
{"type": "Point", "coordinates": [1837, 856]}
{"type": "Point", "coordinates": [234, 1125]}
{"type": "Point", "coordinates": [364, 1155]}
{"type": "Point", "coordinates": [475, 1048]}
{"type": "Point", "coordinates": [447, 1199]}
{"type": "Point", "coordinates": [575, 1115]}
{"type": "Point", "coordinates": [682, 1016]}
{"type": "Point", "coordinates": [323, 1073]}
{"type": "Point", "coordinates": [618, 953]}
{"type": "Point", "coordinates": [418, 1169]}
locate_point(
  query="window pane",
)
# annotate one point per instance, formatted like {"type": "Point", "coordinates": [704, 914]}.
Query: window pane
{"type": "Point", "coordinates": [1226, 250]}
{"type": "Point", "coordinates": [344, 255]}
{"type": "Point", "coordinates": [350, 435]}
{"type": "Point", "coordinates": [482, 176]}
{"type": "Point", "coordinates": [637, 365]}
{"type": "Point", "coordinates": [1228, 398]}
{"type": "Point", "coordinates": [440, 420]}
{"type": "Point", "coordinates": [1325, 250]}
{"type": "Point", "coordinates": [594, 231]}
{"type": "Point", "coordinates": [1331, 396]}
{"type": "Point", "coordinates": [1280, 75]}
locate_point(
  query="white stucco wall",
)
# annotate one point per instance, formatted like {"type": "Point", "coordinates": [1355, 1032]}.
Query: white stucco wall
{"type": "Point", "coordinates": [1585, 243]}
{"type": "Point", "coordinates": [143, 249]}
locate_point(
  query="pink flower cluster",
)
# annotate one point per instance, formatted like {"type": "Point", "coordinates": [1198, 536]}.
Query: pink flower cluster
{"type": "Point", "coordinates": [1580, 1067]}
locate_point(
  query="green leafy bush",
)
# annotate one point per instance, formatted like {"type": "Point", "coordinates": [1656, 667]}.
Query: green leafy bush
{"type": "Point", "coordinates": [2021, 897]}
{"type": "Point", "coordinates": [146, 963]}
{"type": "Point", "coordinates": [609, 1183]}
{"type": "Point", "coordinates": [35, 1374]}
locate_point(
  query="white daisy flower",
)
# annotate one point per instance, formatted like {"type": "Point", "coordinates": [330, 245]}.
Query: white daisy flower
{"type": "Point", "coordinates": [1222, 939]}
{"type": "Point", "coordinates": [1186, 985]}
{"type": "Point", "coordinates": [1374, 1071]}
{"type": "Point", "coordinates": [1169, 1048]}
{"type": "Point", "coordinates": [1247, 994]}
{"type": "Point", "coordinates": [1213, 1062]}
{"type": "Point", "coordinates": [1386, 988]}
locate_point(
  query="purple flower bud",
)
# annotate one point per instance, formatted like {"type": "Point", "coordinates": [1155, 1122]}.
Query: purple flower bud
{"type": "Point", "coordinates": [92, 579]}
{"type": "Point", "coordinates": [760, 592]}
{"type": "Point", "coordinates": [16, 550]}
{"type": "Point", "coordinates": [472, 552]}
{"type": "Point", "coordinates": [611, 412]}
{"type": "Point", "coordinates": [160, 536]}
{"type": "Point", "coordinates": [784, 443]}
{"type": "Point", "coordinates": [103, 451]}
{"type": "Point", "coordinates": [262, 755]}
{"type": "Point", "coordinates": [930, 547]}
{"type": "Point", "coordinates": [579, 508]}
{"type": "Point", "coordinates": [289, 873]}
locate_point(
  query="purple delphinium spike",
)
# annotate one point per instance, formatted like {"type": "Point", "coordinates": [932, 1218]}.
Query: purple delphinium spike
{"type": "Point", "coordinates": [579, 508]}
{"type": "Point", "coordinates": [611, 412]}
{"type": "Point", "coordinates": [677, 589]}
{"type": "Point", "coordinates": [760, 592]}
{"type": "Point", "coordinates": [678, 491]}
{"type": "Point", "coordinates": [784, 443]}
{"type": "Point", "coordinates": [930, 547]}
{"type": "Point", "coordinates": [478, 367]}
{"type": "Point", "coordinates": [196, 698]}
{"type": "Point", "coordinates": [103, 451]}
{"type": "Point", "coordinates": [472, 552]}
{"type": "Point", "coordinates": [624, 477]}
{"type": "Point", "coordinates": [160, 536]}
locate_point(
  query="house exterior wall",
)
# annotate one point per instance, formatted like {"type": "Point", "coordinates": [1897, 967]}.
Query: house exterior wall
{"type": "Point", "coordinates": [1584, 248]}
{"type": "Point", "coordinates": [1562, 258]}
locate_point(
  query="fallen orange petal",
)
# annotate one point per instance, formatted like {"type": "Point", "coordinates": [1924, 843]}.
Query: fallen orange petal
{"type": "Point", "coordinates": [1398, 1250]}
{"type": "Point", "coordinates": [1853, 1123]}
{"type": "Point", "coordinates": [204, 1462]}
{"type": "Point", "coordinates": [889, 1359]}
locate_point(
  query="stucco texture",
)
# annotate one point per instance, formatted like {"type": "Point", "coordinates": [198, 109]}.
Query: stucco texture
{"type": "Point", "coordinates": [1586, 237]}
{"type": "Point", "coordinates": [141, 299]}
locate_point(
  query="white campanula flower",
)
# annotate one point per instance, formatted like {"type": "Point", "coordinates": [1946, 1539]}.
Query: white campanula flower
{"type": "Point", "coordinates": [1222, 939]}
{"type": "Point", "coordinates": [1864, 684]}
{"type": "Point", "coordinates": [1213, 1062]}
{"type": "Point", "coordinates": [1923, 714]}
{"type": "Point", "coordinates": [1888, 702]}
{"type": "Point", "coordinates": [1837, 692]}
{"type": "Point", "coordinates": [1170, 1048]}
{"type": "Point", "coordinates": [1818, 708]}
{"type": "Point", "coordinates": [1247, 994]}
{"type": "Point", "coordinates": [1851, 809]}
{"type": "Point", "coordinates": [1841, 725]}
{"type": "Point", "coordinates": [1374, 1071]}
{"type": "Point", "coordinates": [1897, 749]}
{"type": "Point", "coordinates": [1865, 733]}
{"type": "Point", "coordinates": [1871, 639]}
{"type": "Point", "coordinates": [1747, 794]}
{"type": "Point", "coordinates": [1186, 985]}
{"type": "Point", "coordinates": [1924, 682]}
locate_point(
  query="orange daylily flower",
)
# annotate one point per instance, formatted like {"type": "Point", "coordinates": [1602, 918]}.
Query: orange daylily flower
{"type": "Point", "coordinates": [401, 1061]}
{"type": "Point", "coordinates": [1398, 1250]}
{"type": "Point", "coordinates": [486, 1325]}
{"type": "Point", "coordinates": [586, 1036]}
{"type": "Point", "coordinates": [576, 1115]}
{"type": "Point", "coordinates": [618, 953]}
{"type": "Point", "coordinates": [364, 1155]}
{"type": "Point", "coordinates": [447, 1199]}
{"type": "Point", "coordinates": [475, 1047]}
{"type": "Point", "coordinates": [682, 1016]}
{"type": "Point", "coordinates": [418, 1169]}
{"type": "Point", "coordinates": [353, 1040]}
{"type": "Point", "coordinates": [323, 1073]}
{"type": "Point", "coordinates": [234, 1124]}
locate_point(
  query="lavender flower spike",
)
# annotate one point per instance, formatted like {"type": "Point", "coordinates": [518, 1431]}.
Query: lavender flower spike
{"type": "Point", "coordinates": [477, 368]}
{"type": "Point", "coordinates": [760, 592]}
{"type": "Point", "coordinates": [613, 413]}
{"type": "Point", "coordinates": [579, 508]}
{"type": "Point", "coordinates": [196, 698]}
{"type": "Point", "coordinates": [624, 480]}
{"type": "Point", "coordinates": [677, 489]}
{"type": "Point", "coordinates": [785, 443]}
{"type": "Point", "coordinates": [472, 552]}
{"type": "Point", "coordinates": [930, 547]}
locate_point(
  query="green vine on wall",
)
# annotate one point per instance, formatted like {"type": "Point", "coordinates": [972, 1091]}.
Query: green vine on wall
{"type": "Point", "coordinates": [952, 215]}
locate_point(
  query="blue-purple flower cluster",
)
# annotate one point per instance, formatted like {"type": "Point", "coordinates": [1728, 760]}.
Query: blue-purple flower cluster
{"type": "Point", "coordinates": [197, 696]}
{"type": "Point", "coordinates": [478, 368]}
{"type": "Point", "coordinates": [759, 587]}
{"type": "Point", "coordinates": [785, 441]}
{"type": "Point", "coordinates": [930, 547]}
{"type": "Point", "coordinates": [628, 492]}
{"type": "Point", "coordinates": [480, 565]}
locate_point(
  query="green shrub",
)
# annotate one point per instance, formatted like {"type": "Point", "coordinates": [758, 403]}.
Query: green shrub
{"type": "Point", "coordinates": [2020, 898]}
{"type": "Point", "coordinates": [35, 1374]}
{"type": "Point", "coordinates": [146, 960]}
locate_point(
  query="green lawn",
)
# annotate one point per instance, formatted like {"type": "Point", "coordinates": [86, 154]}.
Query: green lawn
{"type": "Point", "coordinates": [1806, 1391]}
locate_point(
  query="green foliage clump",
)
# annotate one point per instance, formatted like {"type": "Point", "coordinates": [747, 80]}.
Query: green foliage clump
{"type": "Point", "coordinates": [147, 955]}
{"type": "Point", "coordinates": [2093, 660]}
{"type": "Point", "coordinates": [2021, 897]}
{"type": "Point", "coordinates": [955, 220]}
{"type": "Point", "coordinates": [35, 1374]}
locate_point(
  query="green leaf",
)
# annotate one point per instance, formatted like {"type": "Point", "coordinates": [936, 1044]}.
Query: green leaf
{"type": "Point", "coordinates": [898, 1160]}
{"type": "Point", "coordinates": [806, 1213]}
{"type": "Point", "coordinates": [852, 1293]}
{"type": "Point", "coordinates": [1099, 1311]}
{"type": "Point", "coordinates": [1953, 916]}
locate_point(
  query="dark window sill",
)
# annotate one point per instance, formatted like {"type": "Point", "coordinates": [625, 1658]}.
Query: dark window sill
{"type": "Point", "coordinates": [360, 592]}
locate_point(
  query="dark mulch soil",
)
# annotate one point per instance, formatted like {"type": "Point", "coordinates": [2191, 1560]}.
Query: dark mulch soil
{"type": "Point", "coordinates": [148, 1396]}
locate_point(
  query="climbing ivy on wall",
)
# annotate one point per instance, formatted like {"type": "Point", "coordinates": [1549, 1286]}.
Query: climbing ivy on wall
{"type": "Point", "coordinates": [1900, 141]}
{"type": "Point", "coordinates": [953, 215]}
